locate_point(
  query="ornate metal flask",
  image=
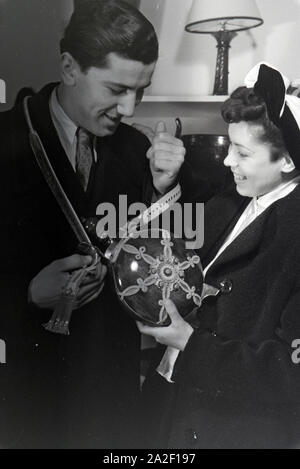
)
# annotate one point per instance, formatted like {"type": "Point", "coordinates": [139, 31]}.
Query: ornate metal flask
{"type": "Point", "coordinates": [151, 266]}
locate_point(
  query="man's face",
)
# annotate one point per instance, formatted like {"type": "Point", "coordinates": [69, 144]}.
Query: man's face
{"type": "Point", "coordinates": [102, 96]}
{"type": "Point", "coordinates": [249, 159]}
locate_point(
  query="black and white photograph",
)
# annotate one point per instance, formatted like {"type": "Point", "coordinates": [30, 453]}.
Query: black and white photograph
{"type": "Point", "coordinates": [150, 227]}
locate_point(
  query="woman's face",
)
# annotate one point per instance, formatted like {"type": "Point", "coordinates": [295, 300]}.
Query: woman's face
{"type": "Point", "coordinates": [249, 159]}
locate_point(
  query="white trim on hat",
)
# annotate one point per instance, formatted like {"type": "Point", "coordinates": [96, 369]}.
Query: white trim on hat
{"type": "Point", "coordinates": [293, 102]}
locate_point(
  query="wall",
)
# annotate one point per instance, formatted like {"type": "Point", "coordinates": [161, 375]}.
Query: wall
{"type": "Point", "coordinates": [30, 31]}
{"type": "Point", "coordinates": [29, 37]}
{"type": "Point", "coordinates": [187, 61]}
{"type": "Point", "coordinates": [186, 64]}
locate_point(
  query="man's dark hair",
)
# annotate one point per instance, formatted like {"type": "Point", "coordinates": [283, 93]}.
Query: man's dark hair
{"type": "Point", "coordinates": [245, 105]}
{"type": "Point", "coordinates": [99, 27]}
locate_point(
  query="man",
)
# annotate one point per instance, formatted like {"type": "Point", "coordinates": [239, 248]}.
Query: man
{"type": "Point", "coordinates": [80, 390]}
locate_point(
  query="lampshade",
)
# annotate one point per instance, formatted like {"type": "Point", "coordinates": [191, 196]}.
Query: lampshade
{"type": "Point", "coordinates": [210, 16]}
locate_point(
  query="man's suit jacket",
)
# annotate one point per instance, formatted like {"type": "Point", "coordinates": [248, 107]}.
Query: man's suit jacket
{"type": "Point", "coordinates": [236, 384]}
{"type": "Point", "coordinates": [57, 391]}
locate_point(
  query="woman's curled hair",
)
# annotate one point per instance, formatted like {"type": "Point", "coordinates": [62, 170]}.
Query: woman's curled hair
{"type": "Point", "coordinates": [243, 105]}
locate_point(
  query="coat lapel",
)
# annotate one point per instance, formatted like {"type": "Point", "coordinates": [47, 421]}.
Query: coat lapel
{"type": "Point", "coordinates": [249, 239]}
{"type": "Point", "coordinates": [218, 223]}
{"type": "Point", "coordinates": [245, 243]}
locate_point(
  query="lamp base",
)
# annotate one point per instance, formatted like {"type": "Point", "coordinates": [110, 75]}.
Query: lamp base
{"type": "Point", "coordinates": [221, 77]}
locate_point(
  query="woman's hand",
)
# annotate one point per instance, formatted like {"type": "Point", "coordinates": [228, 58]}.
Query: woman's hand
{"type": "Point", "coordinates": [176, 335]}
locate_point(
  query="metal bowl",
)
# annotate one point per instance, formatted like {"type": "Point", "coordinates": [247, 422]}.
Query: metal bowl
{"type": "Point", "coordinates": [206, 153]}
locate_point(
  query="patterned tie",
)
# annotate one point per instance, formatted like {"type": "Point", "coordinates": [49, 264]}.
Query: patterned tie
{"type": "Point", "coordinates": [84, 156]}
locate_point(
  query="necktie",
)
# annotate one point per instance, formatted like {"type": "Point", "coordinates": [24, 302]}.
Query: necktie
{"type": "Point", "coordinates": [84, 156]}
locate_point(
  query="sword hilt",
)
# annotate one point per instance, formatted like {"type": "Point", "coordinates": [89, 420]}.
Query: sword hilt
{"type": "Point", "coordinates": [89, 250]}
{"type": "Point", "coordinates": [102, 242]}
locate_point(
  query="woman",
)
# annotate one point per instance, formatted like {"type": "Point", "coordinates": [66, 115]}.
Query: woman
{"type": "Point", "coordinates": [233, 382]}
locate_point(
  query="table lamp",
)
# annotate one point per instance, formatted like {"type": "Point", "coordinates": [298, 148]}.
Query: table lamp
{"type": "Point", "coordinates": [223, 19]}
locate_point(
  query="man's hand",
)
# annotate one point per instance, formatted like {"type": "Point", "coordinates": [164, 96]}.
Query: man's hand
{"type": "Point", "coordinates": [176, 335]}
{"type": "Point", "coordinates": [166, 156]}
{"type": "Point", "coordinates": [146, 130]}
{"type": "Point", "coordinates": [46, 288]}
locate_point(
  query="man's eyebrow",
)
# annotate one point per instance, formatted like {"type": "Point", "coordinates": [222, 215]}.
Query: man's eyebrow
{"type": "Point", "coordinates": [122, 86]}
